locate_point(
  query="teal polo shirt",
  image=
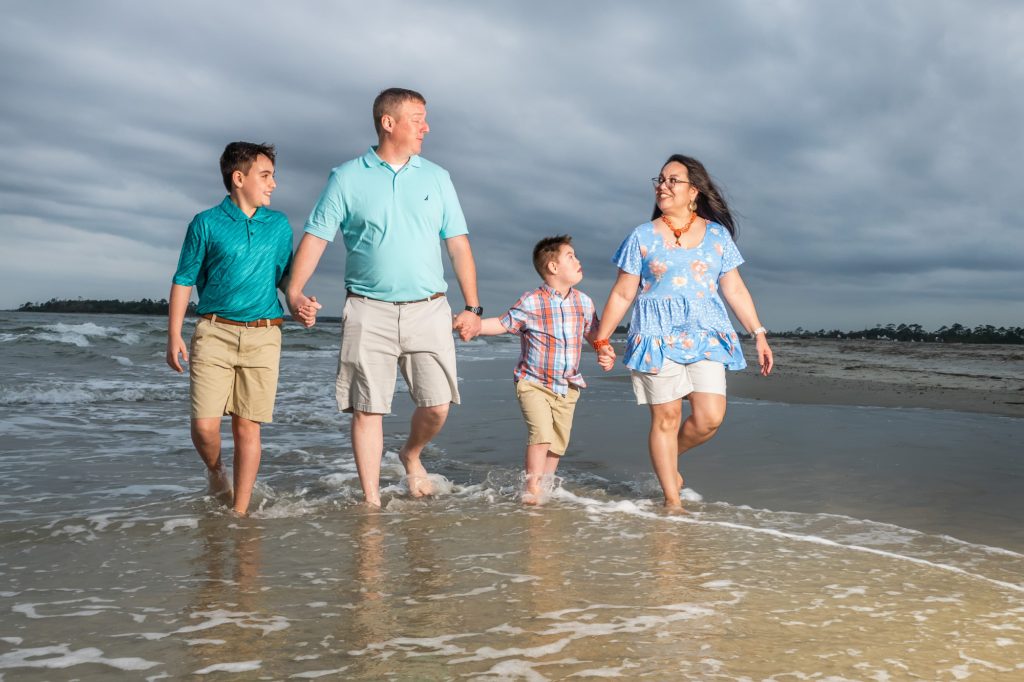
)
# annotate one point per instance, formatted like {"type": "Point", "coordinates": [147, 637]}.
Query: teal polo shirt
{"type": "Point", "coordinates": [236, 262]}
{"type": "Point", "coordinates": [392, 224]}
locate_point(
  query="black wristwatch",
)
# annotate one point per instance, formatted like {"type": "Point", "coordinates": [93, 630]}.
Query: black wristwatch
{"type": "Point", "coordinates": [476, 310]}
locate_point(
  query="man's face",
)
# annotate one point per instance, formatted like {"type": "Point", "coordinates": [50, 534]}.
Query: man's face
{"type": "Point", "coordinates": [256, 186]}
{"type": "Point", "coordinates": [410, 127]}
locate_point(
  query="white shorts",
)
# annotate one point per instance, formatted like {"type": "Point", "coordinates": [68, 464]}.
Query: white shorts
{"type": "Point", "coordinates": [676, 381]}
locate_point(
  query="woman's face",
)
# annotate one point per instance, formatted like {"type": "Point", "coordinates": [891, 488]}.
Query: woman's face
{"type": "Point", "coordinates": [674, 193]}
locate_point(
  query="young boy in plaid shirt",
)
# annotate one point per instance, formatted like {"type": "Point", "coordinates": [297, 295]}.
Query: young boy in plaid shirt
{"type": "Point", "coordinates": [551, 321]}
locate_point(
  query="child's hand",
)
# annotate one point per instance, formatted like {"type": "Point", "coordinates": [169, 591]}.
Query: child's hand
{"type": "Point", "coordinates": [606, 358]}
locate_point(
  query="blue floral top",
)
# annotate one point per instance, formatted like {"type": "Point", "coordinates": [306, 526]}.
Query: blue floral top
{"type": "Point", "coordinates": [678, 313]}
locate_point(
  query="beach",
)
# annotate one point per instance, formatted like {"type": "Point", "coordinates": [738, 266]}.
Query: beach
{"type": "Point", "coordinates": [858, 517]}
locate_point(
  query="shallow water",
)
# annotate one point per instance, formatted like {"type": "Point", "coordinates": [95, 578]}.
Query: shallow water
{"type": "Point", "coordinates": [823, 542]}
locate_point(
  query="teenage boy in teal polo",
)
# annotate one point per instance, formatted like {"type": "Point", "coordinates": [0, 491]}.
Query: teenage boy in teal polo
{"type": "Point", "coordinates": [393, 209]}
{"type": "Point", "coordinates": [237, 255]}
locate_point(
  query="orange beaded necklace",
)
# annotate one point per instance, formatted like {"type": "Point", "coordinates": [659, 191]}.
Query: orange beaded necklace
{"type": "Point", "coordinates": [678, 232]}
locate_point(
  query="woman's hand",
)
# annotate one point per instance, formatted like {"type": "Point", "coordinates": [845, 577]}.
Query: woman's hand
{"type": "Point", "coordinates": [606, 357]}
{"type": "Point", "coordinates": [764, 355]}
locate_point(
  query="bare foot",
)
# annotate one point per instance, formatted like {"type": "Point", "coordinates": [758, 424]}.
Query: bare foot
{"type": "Point", "coordinates": [675, 509]}
{"type": "Point", "coordinates": [531, 492]}
{"type": "Point", "coordinates": [219, 485]}
{"type": "Point", "coordinates": [416, 477]}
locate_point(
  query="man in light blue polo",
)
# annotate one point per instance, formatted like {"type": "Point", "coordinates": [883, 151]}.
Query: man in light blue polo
{"type": "Point", "coordinates": [393, 208]}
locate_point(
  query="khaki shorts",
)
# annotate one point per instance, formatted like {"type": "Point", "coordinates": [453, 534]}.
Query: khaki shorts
{"type": "Point", "coordinates": [548, 415]}
{"type": "Point", "coordinates": [233, 370]}
{"type": "Point", "coordinates": [377, 336]}
{"type": "Point", "coordinates": [675, 381]}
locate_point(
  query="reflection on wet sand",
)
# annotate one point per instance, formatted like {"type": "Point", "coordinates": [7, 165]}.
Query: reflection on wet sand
{"type": "Point", "coordinates": [229, 624]}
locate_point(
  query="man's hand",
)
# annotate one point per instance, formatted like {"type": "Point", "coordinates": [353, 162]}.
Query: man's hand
{"type": "Point", "coordinates": [303, 308]}
{"type": "Point", "coordinates": [467, 324]}
{"type": "Point", "coordinates": [176, 346]}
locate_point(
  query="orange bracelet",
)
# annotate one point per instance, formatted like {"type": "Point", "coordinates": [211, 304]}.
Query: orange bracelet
{"type": "Point", "coordinates": [601, 343]}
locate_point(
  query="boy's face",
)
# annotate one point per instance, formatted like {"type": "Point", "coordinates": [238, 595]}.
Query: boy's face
{"type": "Point", "coordinates": [567, 267]}
{"type": "Point", "coordinates": [255, 187]}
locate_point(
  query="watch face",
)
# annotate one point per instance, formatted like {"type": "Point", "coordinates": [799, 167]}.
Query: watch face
{"type": "Point", "coordinates": [477, 310]}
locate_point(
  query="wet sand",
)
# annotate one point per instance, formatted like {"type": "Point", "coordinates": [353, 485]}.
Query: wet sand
{"type": "Point", "coordinates": [880, 374]}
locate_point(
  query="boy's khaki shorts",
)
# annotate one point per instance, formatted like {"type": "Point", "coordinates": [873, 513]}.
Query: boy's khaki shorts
{"type": "Point", "coordinates": [548, 415]}
{"type": "Point", "coordinates": [378, 336]}
{"type": "Point", "coordinates": [675, 381]}
{"type": "Point", "coordinates": [233, 370]}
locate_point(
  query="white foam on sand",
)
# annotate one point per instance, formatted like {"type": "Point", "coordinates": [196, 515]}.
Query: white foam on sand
{"type": "Point", "coordinates": [62, 656]}
{"type": "Point", "coordinates": [235, 667]}
{"type": "Point", "coordinates": [644, 509]}
{"type": "Point", "coordinates": [314, 674]}
{"type": "Point", "coordinates": [186, 522]}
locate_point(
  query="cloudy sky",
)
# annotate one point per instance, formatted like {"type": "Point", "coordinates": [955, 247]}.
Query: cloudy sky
{"type": "Point", "coordinates": [871, 149]}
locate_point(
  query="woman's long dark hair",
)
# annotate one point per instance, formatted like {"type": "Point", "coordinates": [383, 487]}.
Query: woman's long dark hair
{"type": "Point", "coordinates": [711, 204]}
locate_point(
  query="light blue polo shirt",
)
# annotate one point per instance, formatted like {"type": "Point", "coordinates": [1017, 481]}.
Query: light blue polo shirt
{"type": "Point", "coordinates": [236, 262]}
{"type": "Point", "coordinates": [392, 224]}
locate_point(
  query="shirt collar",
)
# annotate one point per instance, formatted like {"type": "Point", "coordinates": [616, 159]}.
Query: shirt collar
{"type": "Point", "coordinates": [371, 160]}
{"type": "Point", "coordinates": [236, 213]}
{"type": "Point", "coordinates": [551, 291]}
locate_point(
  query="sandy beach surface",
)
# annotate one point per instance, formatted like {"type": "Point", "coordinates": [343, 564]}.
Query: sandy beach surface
{"type": "Point", "coordinates": [889, 374]}
{"type": "Point", "coordinates": [858, 516]}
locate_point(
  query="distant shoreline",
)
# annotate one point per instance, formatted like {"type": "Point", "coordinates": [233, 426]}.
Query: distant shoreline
{"type": "Point", "coordinates": [955, 333]}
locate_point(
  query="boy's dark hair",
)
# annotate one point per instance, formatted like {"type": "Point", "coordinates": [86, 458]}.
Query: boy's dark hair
{"type": "Point", "coordinates": [388, 102]}
{"type": "Point", "coordinates": [239, 156]}
{"type": "Point", "coordinates": [547, 250]}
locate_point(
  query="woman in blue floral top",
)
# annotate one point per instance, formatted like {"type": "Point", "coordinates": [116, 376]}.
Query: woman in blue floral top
{"type": "Point", "coordinates": [677, 268]}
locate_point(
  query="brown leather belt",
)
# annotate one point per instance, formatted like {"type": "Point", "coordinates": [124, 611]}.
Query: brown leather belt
{"type": "Point", "coordinates": [419, 300]}
{"type": "Point", "coordinates": [275, 322]}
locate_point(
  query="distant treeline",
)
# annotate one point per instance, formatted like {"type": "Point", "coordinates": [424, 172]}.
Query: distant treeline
{"type": "Point", "coordinates": [956, 333]}
{"type": "Point", "coordinates": [111, 307]}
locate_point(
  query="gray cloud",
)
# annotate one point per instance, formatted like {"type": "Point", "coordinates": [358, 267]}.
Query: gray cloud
{"type": "Point", "coordinates": [870, 149]}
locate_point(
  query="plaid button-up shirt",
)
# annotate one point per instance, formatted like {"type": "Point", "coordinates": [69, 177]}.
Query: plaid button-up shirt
{"type": "Point", "coordinates": [551, 331]}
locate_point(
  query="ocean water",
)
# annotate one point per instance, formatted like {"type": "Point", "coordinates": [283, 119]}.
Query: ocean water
{"type": "Point", "coordinates": [823, 542]}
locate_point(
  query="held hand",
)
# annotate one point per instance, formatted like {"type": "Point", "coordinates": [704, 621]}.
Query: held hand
{"type": "Point", "coordinates": [176, 346]}
{"type": "Point", "coordinates": [606, 358]}
{"type": "Point", "coordinates": [764, 355]}
{"type": "Point", "coordinates": [303, 308]}
{"type": "Point", "coordinates": [467, 324]}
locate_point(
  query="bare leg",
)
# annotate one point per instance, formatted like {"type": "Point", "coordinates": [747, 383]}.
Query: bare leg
{"type": "Point", "coordinates": [707, 410]}
{"type": "Point", "coordinates": [426, 423]}
{"type": "Point", "coordinates": [536, 467]}
{"type": "Point", "coordinates": [368, 446]}
{"type": "Point", "coordinates": [206, 438]}
{"type": "Point", "coordinates": [665, 418]}
{"type": "Point", "coordinates": [248, 451]}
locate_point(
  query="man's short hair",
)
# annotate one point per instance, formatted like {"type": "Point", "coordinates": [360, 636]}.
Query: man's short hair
{"type": "Point", "coordinates": [547, 250]}
{"type": "Point", "coordinates": [389, 101]}
{"type": "Point", "coordinates": [239, 156]}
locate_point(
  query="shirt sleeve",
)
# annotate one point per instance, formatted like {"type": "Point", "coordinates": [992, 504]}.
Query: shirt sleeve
{"type": "Point", "coordinates": [329, 213]}
{"type": "Point", "coordinates": [628, 258]}
{"type": "Point", "coordinates": [453, 222]}
{"type": "Point", "coordinates": [193, 252]}
{"type": "Point", "coordinates": [517, 316]}
{"type": "Point", "coordinates": [731, 258]}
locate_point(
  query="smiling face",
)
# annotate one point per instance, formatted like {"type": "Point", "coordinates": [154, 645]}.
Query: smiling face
{"type": "Point", "coordinates": [674, 192]}
{"type": "Point", "coordinates": [253, 189]}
